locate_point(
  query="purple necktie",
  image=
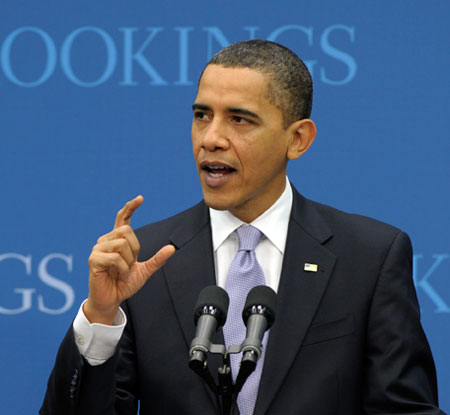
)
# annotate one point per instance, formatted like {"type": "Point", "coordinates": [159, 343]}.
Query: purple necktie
{"type": "Point", "coordinates": [244, 274]}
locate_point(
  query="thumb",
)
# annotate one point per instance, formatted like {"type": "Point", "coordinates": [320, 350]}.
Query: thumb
{"type": "Point", "coordinates": [158, 260]}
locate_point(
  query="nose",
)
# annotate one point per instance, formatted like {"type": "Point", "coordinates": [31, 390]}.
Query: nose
{"type": "Point", "coordinates": [215, 136]}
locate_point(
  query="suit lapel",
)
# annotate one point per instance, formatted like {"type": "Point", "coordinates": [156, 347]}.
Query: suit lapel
{"type": "Point", "coordinates": [190, 270]}
{"type": "Point", "coordinates": [299, 295]}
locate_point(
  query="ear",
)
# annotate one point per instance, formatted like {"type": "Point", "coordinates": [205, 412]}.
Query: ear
{"type": "Point", "coordinates": [302, 134]}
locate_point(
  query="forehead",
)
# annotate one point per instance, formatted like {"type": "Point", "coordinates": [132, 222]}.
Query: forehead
{"type": "Point", "coordinates": [233, 86]}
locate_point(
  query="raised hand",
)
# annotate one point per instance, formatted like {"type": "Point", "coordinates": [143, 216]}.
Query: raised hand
{"type": "Point", "coordinates": [114, 273]}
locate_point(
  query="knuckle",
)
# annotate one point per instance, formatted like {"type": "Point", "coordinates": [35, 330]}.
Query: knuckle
{"type": "Point", "coordinates": [121, 242]}
{"type": "Point", "coordinates": [95, 249]}
{"type": "Point", "coordinates": [157, 260]}
{"type": "Point", "coordinates": [94, 259]}
{"type": "Point", "coordinates": [123, 229]}
{"type": "Point", "coordinates": [116, 257]}
{"type": "Point", "coordinates": [125, 207]}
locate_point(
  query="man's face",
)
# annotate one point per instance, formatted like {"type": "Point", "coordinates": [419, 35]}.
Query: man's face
{"type": "Point", "coordinates": [239, 144]}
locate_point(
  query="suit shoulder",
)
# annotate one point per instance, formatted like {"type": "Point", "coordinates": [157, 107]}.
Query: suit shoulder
{"type": "Point", "coordinates": [358, 228]}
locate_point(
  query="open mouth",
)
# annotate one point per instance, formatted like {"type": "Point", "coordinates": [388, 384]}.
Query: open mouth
{"type": "Point", "coordinates": [217, 170]}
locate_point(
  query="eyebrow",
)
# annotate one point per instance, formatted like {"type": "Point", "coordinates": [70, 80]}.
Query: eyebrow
{"type": "Point", "coordinates": [243, 111]}
{"type": "Point", "coordinates": [201, 107]}
{"type": "Point", "coordinates": [232, 110]}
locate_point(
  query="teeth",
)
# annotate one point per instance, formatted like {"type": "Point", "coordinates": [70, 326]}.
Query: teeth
{"type": "Point", "coordinates": [215, 170]}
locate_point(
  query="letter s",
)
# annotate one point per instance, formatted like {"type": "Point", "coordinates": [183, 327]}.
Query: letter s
{"type": "Point", "coordinates": [345, 58]}
{"type": "Point", "coordinates": [53, 282]}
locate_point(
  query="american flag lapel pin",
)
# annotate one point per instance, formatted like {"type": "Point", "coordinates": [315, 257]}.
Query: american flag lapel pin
{"type": "Point", "coordinates": [310, 267]}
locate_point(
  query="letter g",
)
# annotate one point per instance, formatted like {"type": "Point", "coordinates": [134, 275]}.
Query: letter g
{"type": "Point", "coordinates": [26, 292]}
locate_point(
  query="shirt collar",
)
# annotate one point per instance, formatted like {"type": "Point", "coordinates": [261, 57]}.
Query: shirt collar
{"type": "Point", "coordinates": [273, 223]}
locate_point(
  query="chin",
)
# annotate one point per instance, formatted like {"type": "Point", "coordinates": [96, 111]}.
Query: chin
{"type": "Point", "coordinates": [210, 202]}
{"type": "Point", "coordinates": [215, 202]}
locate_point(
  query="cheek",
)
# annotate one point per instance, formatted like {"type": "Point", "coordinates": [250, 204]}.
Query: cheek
{"type": "Point", "coordinates": [253, 162]}
{"type": "Point", "coordinates": [277, 146]}
{"type": "Point", "coordinates": [195, 142]}
{"type": "Point", "coordinates": [262, 150]}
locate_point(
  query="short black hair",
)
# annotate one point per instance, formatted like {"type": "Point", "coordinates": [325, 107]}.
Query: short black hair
{"type": "Point", "coordinates": [290, 88]}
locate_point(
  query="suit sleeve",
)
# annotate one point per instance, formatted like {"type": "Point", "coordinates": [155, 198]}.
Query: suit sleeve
{"type": "Point", "coordinates": [400, 374]}
{"type": "Point", "coordinates": [77, 388]}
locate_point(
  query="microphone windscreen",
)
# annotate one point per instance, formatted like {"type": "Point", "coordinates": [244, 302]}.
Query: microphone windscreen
{"type": "Point", "coordinates": [263, 296]}
{"type": "Point", "coordinates": [216, 297]}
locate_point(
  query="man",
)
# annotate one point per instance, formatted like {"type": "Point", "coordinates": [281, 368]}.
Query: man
{"type": "Point", "coordinates": [347, 339]}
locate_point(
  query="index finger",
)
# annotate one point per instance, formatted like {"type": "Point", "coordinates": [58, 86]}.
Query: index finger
{"type": "Point", "coordinates": [124, 215]}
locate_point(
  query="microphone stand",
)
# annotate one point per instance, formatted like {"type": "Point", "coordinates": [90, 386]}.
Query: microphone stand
{"type": "Point", "coordinates": [226, 391]}
{"type": "Point", "coordinates": [226, 388]}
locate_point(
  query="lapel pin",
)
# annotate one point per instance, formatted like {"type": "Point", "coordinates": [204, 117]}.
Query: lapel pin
{"type": "Point", "coordinates": [311, 267]}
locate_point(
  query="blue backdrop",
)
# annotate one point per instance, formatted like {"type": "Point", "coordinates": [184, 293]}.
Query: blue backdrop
{"type": "Point", "coordinates": [95, 104]}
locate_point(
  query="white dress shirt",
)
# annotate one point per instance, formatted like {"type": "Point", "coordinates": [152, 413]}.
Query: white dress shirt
{"type": "Point", "coordinates": [273, 223]}
{"type": "Point", "coordinates": [97, 342]}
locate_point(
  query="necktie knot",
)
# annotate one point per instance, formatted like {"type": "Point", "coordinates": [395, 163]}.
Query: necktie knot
{"type": "Point", "coordinates": [248, 237]}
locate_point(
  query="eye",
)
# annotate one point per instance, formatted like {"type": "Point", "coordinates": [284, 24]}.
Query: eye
{"type": "Point", "coordinates": [201, 115]}
{"type": "Point", "coordinates": [241, 120]}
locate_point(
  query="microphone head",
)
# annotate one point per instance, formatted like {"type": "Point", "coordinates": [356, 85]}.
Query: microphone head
{"type": "Point", "coordinates": [212, 300]}
{"type": "Point", "coordinates": [261, 300]}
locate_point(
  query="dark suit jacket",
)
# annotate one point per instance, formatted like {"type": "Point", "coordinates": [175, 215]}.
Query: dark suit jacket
{"type": "Point", "coordinates": [347, 339]}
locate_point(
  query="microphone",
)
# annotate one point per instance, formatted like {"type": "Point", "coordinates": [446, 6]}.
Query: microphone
{"type": "Point", "coordinates": [258, 316]}
{"type": "Point", "coordinates": [210, 313]}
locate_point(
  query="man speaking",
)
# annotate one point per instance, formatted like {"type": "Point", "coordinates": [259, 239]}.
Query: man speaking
{"type": "Point", "coordinates": [347, 339]}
